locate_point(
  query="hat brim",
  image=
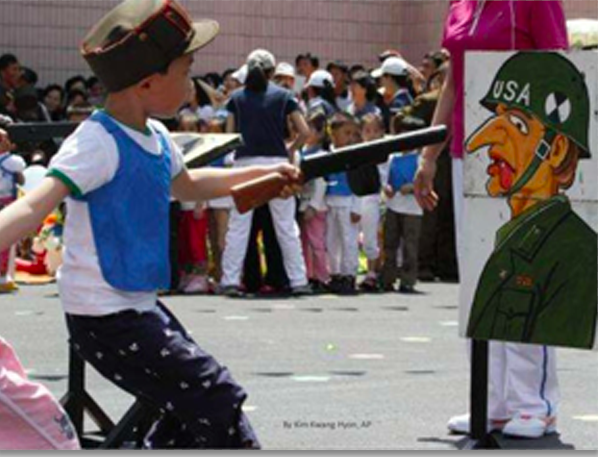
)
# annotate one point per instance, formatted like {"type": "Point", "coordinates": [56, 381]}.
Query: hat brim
{"type": "Point", "coordinates": [377, 73]}
{"type": "Point", "coordinates": [205, 32]}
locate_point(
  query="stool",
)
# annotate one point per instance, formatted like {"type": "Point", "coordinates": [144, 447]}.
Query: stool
{"type": "Point", "coordinates": [131, 428]}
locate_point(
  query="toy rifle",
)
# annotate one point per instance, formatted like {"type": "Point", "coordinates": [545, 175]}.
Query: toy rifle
{"type": "Point", "coordinates": [39, 131]}
{"type": "Point", "coordinates": [258, 192]}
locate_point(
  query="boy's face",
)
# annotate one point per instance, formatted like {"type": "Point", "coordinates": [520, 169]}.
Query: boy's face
{"type": "Point", "coordinates": [164, 94]}
{"type": "Point", "coordinates": [345, 135]}
{"type": "Point", "coordinates": [371, 131]}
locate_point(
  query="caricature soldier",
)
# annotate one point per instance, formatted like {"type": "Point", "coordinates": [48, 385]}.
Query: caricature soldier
{"type": "Point", "coordinates": [540, 284]}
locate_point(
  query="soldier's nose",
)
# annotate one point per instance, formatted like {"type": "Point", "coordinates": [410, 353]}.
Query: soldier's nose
{"type": "Point", "coordinates": [492, 132]}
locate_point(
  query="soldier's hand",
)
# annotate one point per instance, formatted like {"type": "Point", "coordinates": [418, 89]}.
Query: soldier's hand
{"type": "Point", "coordinates": [424, 184]}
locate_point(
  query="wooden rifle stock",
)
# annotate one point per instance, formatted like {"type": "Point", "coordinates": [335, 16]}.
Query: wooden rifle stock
{"type": "Point", "coordinates": [258, 192]}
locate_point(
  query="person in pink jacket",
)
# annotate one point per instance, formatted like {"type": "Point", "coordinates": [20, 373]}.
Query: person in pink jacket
{"type": "Point", "coordinates": [30, 417]}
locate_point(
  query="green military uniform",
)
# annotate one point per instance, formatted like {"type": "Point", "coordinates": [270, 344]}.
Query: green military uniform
{"type": "Point", "coordinates": [540, 283]}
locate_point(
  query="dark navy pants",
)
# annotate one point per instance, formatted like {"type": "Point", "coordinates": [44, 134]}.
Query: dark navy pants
{"type": "Point", "coordinates": [151, 356]}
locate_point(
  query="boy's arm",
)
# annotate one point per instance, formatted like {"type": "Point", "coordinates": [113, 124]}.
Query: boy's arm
{"type": "Point", "coordinates": [26, 214]}
{"type": "Point", "coordinates": [209, 183]}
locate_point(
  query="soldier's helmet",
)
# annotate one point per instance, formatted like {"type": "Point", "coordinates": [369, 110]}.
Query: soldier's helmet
{"type": "Point", "coordinates": [548, 86]}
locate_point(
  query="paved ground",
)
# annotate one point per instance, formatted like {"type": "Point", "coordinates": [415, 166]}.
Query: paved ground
{"type": "Point", "coordinates": [367, 372]}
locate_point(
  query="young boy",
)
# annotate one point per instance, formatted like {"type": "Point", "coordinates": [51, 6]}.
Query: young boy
{"type": "Point", "coordinates": [344, 212]}
{"type": "Point", "coordinates": [11, 174]}
{"type": "Point", "coordinates": [402, 224]}
{"type": "Point", "coordinates": [119, 169]}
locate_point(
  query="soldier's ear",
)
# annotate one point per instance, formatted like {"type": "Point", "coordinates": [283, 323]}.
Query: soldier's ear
{"type": "Point", "coordinates": [559, 151]}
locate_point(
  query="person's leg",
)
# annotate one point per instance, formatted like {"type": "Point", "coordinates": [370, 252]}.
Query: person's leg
{"type": "Point", "coordinates": [370, 220]}
{"type": "Point", "coordinates": [317, 243]}
{"type": "Point", "coordinates": [391, 245]}
{"type": "Point", "coordinates": [350, 245]}
{"type": "Point", "coordinates": [287, 233]}
{"type": "Point", "coordinates": [332, 241]}
{"type": "Point", "coordinates": [276, 275]}
{"type": "Point", "coordinates": [532, 385]}
{"type": "Point", "coordinates": [305, 227]}
{"type": "Point", "coordinates": [253, 278]}
{"type": "Point", "coordinates": [445, 228]}
{"type": "Point", "coordinates": [235, 247]}
{"type": "Point", "coordinates": [411, 233]}
{"type": "Point", "coordinates": [151, 356]}
{"type": "Point", "coordinates": [222, 217]}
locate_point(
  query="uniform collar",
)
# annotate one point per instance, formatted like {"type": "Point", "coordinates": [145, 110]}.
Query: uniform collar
{"type": "Point", "coordinates": [533, 225]}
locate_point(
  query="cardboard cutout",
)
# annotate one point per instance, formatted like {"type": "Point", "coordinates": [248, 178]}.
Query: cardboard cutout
{"type": "Point", "coordinates": [531, 202]}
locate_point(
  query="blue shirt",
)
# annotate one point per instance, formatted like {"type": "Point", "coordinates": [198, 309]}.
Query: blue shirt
{"type": "Point", "coordinates": [261, 119]}
{"type": "Point", "coordinates": [369, 108]}
{"type": "Point", "coordinates": [402, 170]}
{"type": "Point", "coordinates": [401, 99]}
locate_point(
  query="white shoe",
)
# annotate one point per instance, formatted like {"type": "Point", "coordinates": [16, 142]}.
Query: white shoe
{"type": "Point", "coordinates": [461, 424]}
{"type": "Point", "coordinates": [197, 285]}
{"type": "Point", "coordinates": [528, 426]}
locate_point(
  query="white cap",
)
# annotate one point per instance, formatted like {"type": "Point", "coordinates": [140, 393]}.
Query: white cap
{"type": "Point", "coordinates": [318, 78]}
{"type": "Point", "coordinates": [391, 66]}
{"type": "Point", "coordinates": [241, 74]}
{"type": "Point", "coordinates": [263, 58]}
{"type": "Point", "coordinates": [285, 69]}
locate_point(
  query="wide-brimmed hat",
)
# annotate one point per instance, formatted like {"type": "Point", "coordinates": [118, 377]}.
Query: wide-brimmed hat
{"type": "Point", "coordinates": [141, 37]}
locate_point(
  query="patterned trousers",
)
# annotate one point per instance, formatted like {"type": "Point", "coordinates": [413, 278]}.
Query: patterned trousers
{"type": "Point", "coordinates": [151, 356]}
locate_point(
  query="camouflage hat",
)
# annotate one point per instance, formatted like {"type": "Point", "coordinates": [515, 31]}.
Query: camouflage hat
{"type": "Point", "coordinates": [141, 37]}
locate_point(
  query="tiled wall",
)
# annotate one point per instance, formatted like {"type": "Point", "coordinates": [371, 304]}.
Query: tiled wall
{"type": "Point", "coordinates": [44, 34]}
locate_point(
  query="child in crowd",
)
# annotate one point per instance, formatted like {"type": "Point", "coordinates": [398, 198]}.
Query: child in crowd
{"type": "Point", "coordinates": [372, 128]}
{"type": "Point", "coordinates": [192, 232]}
{"type": "Point", "coordinates": [11, 175]}
{"type": "Point", "coordinates": [312, 209]}
{"type": "Point", "coordinates": [218, 208]}
{"type": "Point", "coordinates": [344, 211]}
{"type": "Point", "coordinates": [118, 170]}
{"type": "Point", "coordinates": [402, 224]}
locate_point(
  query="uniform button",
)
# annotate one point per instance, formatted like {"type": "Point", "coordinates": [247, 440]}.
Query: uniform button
{"type": "Point", "coordinates": [503, 274]}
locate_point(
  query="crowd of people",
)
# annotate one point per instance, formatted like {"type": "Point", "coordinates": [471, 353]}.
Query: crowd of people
{"type": "Point", "coordinates": [327, 237]}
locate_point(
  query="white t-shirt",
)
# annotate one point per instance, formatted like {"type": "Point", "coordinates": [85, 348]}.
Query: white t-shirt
{"type": "Point", "coordinates": [87, 160]}
{"type": "Point", "coordinates": [404, 204]}
{"type": "Point", "coordinates": [12, 164]}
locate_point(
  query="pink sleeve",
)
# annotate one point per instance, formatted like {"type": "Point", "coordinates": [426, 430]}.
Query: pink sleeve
{"type": "Point", "coordinates": [547, 24]}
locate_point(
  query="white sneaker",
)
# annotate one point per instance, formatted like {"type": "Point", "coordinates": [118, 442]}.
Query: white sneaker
{"type": "Point", "coordinates": [528, 426]}
{"type": "Point", "coordinates": [461, 424]}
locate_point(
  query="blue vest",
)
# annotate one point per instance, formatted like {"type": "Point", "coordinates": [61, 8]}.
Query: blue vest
{"type": "Point", "coordinates": [338, 185]}
{"type": "Point", "coordinates": [402, 170]}
{"type": "Point", "coordinates": [9, 174]}
{"type": "Point", "coordinates": [130, 215]}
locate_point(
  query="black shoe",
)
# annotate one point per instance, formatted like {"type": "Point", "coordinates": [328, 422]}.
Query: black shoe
{"type": "Point", "coordinates": [347, 286]}
{"type": "Point", "coordinates": [408, 289]}
{"type": "Point", "coordinates": [335, 284]}
{"type": "Point", "coordinates": [426, 276]}
{"type": "Point", "coordinates": [369, 284]}
{"type": "Point", "coordinates": [318, 287]}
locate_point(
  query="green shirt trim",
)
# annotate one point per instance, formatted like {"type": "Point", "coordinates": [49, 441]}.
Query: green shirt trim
{"type": "Point", "coordinates": [68, 182]}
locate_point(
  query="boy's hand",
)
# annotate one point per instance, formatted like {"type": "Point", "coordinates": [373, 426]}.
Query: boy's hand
{"type": "Point", "coordinates": [389, 191]}
{"type": "Point", "coordinates": [293, 174]}
{"type": "Point", "coordinates": [355, 218]}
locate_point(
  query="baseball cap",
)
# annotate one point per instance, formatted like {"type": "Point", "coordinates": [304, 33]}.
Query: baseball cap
{"type": "Point", "coordinates": [261, 57]}
{"type": "Point", "coordinates": [138, 38]}
{"type": "Point", "coordinates": [284, 69]}
{"type": "Point", "coordinates": [241, 74]}
{"type": "Point", "coordinates": [391, 66]}
{"type": "Point", "coordinates": [318, 79]}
